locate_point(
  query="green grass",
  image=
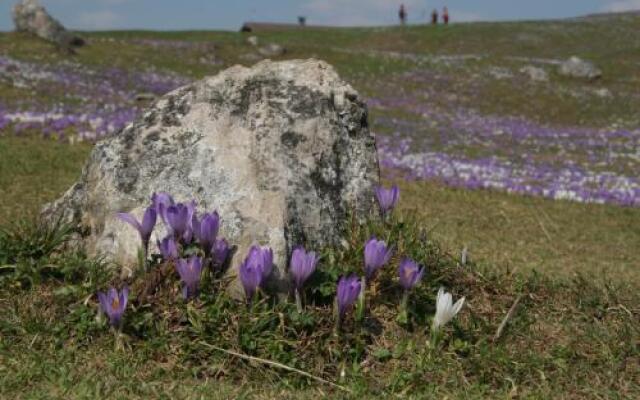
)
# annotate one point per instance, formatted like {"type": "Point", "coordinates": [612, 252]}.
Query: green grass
{"type": "Point", "coordinates": [521, 234]}
{"type": "Point", "coordinates": [568, 339]}
{"type": "Point", "coordinates": [35, 171]}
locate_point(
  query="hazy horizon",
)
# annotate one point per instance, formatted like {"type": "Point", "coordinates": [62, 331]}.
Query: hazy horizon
{"type": "Point", "coordinates": [216, 15]}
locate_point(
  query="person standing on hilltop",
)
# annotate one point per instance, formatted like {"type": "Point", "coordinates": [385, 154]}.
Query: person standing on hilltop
{"type": "Point", "coordinates": [445, 15]}
{"type": "Point", "coordinates": [434, 17]}
{"type": "Point", "coordinates": [402, 14]}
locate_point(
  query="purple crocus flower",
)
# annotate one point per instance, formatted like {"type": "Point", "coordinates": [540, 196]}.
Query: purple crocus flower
{"type": "Point", "coordinates": [387, 198]}
{"type": "Point", "coordinates": [263, 256]}
{"type": "Point", "coordinates": [145, 228]}
{"type": "Point", "coordinates": [220, 251]}
{"type": "Point", "coordinates": [255, 269]}
{"type": "Point", "coordinates": [168, 248]}
{"type": "Point", "coordinates": [347, 293]}
{"type": "Point", "coordinates": [164, 199]}
{"type": "Point", "coordinates": [206, 230]}
{"type": "Point", "coordinates": [376, 254]}
{"type": "Point", "coordinates": [250, 276]}
{"type": "Point", "coordinates": [113, 304]}
{"type": "Point", "coordinates": [189, 271]}
{"type": "Point", "coordinates": [302, 265]}
{"type": "Point", "coordinates": [180, 218]}
{"type": "Point", "coordinates": [410, 273]}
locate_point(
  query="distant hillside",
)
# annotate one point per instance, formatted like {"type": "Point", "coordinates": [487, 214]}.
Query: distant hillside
{"type": "Point", "coordinates": [609, 15]}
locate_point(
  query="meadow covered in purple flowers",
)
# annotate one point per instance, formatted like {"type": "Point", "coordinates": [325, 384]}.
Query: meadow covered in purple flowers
{"type": "Point", "coordinates": [428, 112]}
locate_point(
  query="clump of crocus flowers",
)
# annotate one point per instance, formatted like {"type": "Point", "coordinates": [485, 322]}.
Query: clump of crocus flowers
{"type": "Point", "coordinates": [192, 245]}
{"type": "Point", "coordinates": [184, 229]}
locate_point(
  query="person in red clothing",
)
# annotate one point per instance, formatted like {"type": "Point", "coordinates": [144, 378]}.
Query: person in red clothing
{"type": "Point", "coordinates": [402, 14]}
{"type": "Point", "coordinates": [434, 17]}
{"type": "Point", "coordinates": [445, 15]}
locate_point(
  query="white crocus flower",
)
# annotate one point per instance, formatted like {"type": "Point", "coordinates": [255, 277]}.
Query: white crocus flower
{"type": "Point", "coordinates": [445, 309]}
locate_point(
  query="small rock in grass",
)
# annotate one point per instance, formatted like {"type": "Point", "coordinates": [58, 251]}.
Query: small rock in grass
{"type": "Point", "coordinates": [272, 50]}
{"type": "Point", "coordinates": [536, 74]}
{"type": "Point", "coordinates": [500, 73]}
{"type": "Point", "coordinates": [253, 40]}
{"type": "Point", "coordinates": [576, 67]}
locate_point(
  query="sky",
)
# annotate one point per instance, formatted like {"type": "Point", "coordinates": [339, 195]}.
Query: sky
{"type": "Point", "coordinates": [229, 14]}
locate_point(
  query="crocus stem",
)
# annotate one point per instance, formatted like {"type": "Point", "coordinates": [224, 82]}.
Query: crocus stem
{"type": "Point", "coordinates": [145, 255]}
{"type": "Point", "coordinates": [405, 300]}
{"type": "Point", "coordinates": [298, 301]}
{"type": "Point", "coordinates": [435, 337]}
{"type": "Point", "coordinates": [361, 301]}
{"type": "Point", "coordinates": [119, 345]}
{"type": "Point", "coordinates": [338, 326]}
{"type": "Point", "coordinates": [403, 316]}
{"type": "Point", "coordinates": [142, 259]}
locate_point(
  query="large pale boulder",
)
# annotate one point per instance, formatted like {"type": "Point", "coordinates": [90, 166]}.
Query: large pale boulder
{"type": "Point", "coordinates": [29, 16]}
{"type": "Point", "coordinates": [282, 150]}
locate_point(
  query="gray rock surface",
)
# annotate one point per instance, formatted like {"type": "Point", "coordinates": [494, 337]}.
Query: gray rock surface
{"type": "Point", "coordinates": [282, 150]}
{"type": "Point", "coordinates": [536, 74]}
{"type": "Point", "coordinates": [29, 16]}
{"type": "Point", "coordinates": [578, 68]}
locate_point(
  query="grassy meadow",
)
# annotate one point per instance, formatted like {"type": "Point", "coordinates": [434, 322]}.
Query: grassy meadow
{"type": "Point", "coordinates": [570, 267]}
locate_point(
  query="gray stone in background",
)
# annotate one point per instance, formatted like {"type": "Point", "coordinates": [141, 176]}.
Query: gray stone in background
{"type": "Point", "coordinates": [272, 50]}
{"type": "Point", "coordinates": [282, 150]}
{"type": "Point", "coordinates": [253, 41]}
{"type": "Point", "coordinates": [576, 67]}
{"type": "Point", "coordinates": [535, 74]}
{"type": "Point", "coordinates": [29, 16]}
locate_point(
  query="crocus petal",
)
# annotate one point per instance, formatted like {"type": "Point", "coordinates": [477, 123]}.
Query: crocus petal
{"type": "Point", "coordinates": [104, 302]}
{"type": "Point", "coordinates": [207, 231]}
{"type": "Point", "coordinates": [190, 272]}
{"type": "Point", "coordinates": [148, 223]}
{"type": "Point", "coordinates": [161, 201]}
{"type": "Point", "coordinates": [458, 306]}
{"type": "Point", "coordinates": [387, 198]}
{"type": "Point", "coordinates": [302, 265]}
{"type": "Point", "coordinates": [131, 220]}
{"type": "Point", "coordinates": [267, 264]}
{"type": "Point", "coordinates": [124, 297]}
{"type": "Point", "coordinates": [220, 251]}
{"type": "Point", "coordinates": [376, 255]}
{"type": "Point", "coordinates": [168, 248]}
{"type": "Point", "coordinates": [347, 293]}
{"type": "Point", "coordinates": [250, 277]}
{"type": "Point", "coordinates": [445, 310]}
